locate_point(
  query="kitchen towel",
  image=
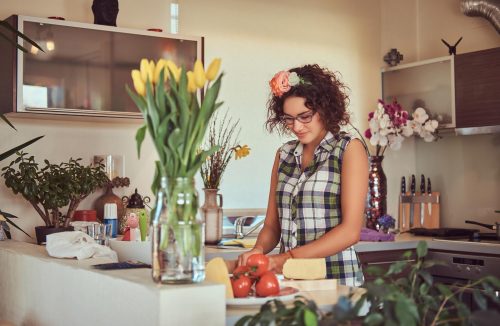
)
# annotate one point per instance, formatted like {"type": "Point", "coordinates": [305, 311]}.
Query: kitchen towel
{"type": "Point", "coordinates": [77, 244]}
{"type": "Point", "coordinates": [372, 235]}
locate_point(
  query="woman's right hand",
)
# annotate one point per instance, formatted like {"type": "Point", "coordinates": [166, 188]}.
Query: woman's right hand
{"type": "Point", "coordinates": [242, 259]}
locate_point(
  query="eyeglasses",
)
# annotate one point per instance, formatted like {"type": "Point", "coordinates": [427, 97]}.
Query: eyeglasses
{"type": "Point", "coordinates": [305, 117]}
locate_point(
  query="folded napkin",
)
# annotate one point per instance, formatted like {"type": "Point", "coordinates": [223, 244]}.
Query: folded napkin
{"type": "Point", "coordinates": [245, 243]}
{"type": "Point", "coordinates": [76, 244]}
{"type": "Point", "coordinates": [373, 235]}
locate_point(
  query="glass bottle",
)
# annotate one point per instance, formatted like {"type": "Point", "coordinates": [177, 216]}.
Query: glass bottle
{"type": "Point", "coordinates": [178, 234]}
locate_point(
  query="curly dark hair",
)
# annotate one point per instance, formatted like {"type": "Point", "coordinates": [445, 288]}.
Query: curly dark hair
{"type": "Point", "coordinates": [324, 93]}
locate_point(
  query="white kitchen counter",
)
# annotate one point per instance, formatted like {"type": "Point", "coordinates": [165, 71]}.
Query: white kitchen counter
{"type": "Point", "coordinates": [36, 289]}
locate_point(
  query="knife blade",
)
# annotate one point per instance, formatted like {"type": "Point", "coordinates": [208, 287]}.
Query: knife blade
{"type": "Point", "coordinates": [412, 205]}
{"type": "Point", "coordinates": [422, 192]}
{"type": "Point", "coordinates": [429, 193]}
{"type": "Point", "coordinates": [403, 193]}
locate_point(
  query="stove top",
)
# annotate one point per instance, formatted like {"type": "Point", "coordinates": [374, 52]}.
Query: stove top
{"type": "Point", "coordinates": [476, 237]}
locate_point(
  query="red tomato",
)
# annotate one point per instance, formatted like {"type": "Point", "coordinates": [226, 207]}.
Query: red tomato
{"type": "Point", "coordinates": [258, 264]}
{"type": "Point", "coordinates": [241, 286]}
{"type": "Point", "coordinates": [267, 285]}
{"type": "Point", "coordinates": [241, 270]}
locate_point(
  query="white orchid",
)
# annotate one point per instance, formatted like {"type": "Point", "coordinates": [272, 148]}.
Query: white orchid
{"type": "Point", "coordinates": [389, 125]}
{"type": "Point", "coordinates": [420, 115]}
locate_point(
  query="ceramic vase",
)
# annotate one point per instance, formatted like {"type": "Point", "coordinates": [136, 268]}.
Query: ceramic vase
{"type": "Point", "coordinates": [212, 214]}
{"type": "Point", "coordinates": [178, 232]}
{"type": "Point", "coordinates": [377, 192]}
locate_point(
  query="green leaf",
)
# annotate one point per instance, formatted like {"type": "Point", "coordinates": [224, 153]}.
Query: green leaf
{"type": "Point", "coordinates": [406, 312]}
{"type": "Point", "coordinates": [138, 100]}
{"type": "Point", "coordinates": [15, 225]}
{"type": "Point", "coordinates": [310, 318]}
{"type": "Point", "coordinates": [479, 299]}
{"type": "Point", "coordinates": [139, 138]}
{"type": "Point", "coordinates": [494, 281]}
{"type": "Point", "coordinates": [396, 267]}
{"type": "Point", "coordinates": [8, 153]}
{"type": "Point", "coordinates": [374, 319]}
{"type": "Point", "coordinates": [4, 118]}
{"type": "Point", "coordinates": [444, 289]}
{"type": "Point", "coordinates": [6, 25]}
{"type": "Point", "coordinates": [421, 249]}
{"type": "Point", "coordinates": [243, 320]}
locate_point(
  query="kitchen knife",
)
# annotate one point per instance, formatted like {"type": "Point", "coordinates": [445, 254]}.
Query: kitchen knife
{"type": "Point", "coordinates": [412, 205]}
{"type": "Point", "coordinates": [422, 205]}
{"type": "Point", "coordinates": [403, 193]}
{"type": "Point", "coordinates": [429, 192]}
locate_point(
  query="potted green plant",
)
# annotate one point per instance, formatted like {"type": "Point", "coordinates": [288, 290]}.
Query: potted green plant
{"type": "Point", "coordinates": [9, 34]}
{"type": "Point", "coordinates": [52, 187]}
{"type": "Point", "coordinates": [392, 299]}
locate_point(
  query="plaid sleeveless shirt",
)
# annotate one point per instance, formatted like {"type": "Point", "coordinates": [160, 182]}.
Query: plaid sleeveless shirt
{"type": "Point", "coordinates": [309, 202]}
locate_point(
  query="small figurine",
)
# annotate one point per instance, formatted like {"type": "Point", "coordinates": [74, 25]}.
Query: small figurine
{"type": "Point", "coordinates": [452, 49]}
{"type": "Point", "coordinates": [393, 57]}
{"type": "Point", "coordinates": [133, 224]}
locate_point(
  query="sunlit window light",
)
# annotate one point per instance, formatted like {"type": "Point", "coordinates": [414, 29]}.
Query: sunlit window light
{"type": "Point", "coordinates": [174, 17]}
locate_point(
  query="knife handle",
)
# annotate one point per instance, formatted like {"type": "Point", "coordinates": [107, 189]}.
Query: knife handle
{"type": "Point", "coordinates": [422, 184]}
{"type": "Point", "coordinates": [412, 185]}
{"type": "Point", "coordinates": [429, 188]}
{"type": "Point", "coordinates": [403, 185]}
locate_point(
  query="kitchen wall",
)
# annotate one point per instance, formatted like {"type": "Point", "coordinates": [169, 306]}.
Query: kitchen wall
{"type": "Point", "coordinates": [255, 39]}
{"type": "Point", "coordinates": [465, 169]}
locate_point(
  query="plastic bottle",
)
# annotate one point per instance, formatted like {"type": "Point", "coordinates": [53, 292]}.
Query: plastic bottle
{"type": "Point", "coordinates": [111, 217]}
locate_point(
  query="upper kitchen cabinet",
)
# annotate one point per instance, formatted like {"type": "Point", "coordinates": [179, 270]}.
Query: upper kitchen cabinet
{"type": "Point", "coordinates": [427, 84]}
{"type": "Point", "coordinates": [84, 69]}
{"type": "Point", "coordinates": [477, 91]}
{"type": "Point", "coordinates": [462, 91]}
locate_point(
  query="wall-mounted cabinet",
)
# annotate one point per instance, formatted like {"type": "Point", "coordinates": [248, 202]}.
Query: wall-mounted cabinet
{"type": "Point", "coordinates": [462, 91]}
{"type": "Point", "coordinates": [85, 67]}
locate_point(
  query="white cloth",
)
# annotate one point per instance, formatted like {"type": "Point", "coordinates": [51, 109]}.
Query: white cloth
{"type": "Point", "coordinates": [76, 244]}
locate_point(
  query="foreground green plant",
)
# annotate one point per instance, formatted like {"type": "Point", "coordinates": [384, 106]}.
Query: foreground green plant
{"type": "Point", "coordinates": [391, 300]}
{"type": "Point", "coordinates": [53, 186]}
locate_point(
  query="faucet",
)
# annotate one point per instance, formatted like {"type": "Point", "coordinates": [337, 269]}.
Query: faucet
{"type": "Point", "coordinates": [238, 224]}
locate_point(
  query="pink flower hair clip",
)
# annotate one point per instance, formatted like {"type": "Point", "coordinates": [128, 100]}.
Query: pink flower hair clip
{"type": "Point", "coordinates": [283, 81]}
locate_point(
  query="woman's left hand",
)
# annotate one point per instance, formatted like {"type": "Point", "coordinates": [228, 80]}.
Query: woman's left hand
{"type": "Point", "coordinates": [276, 262]}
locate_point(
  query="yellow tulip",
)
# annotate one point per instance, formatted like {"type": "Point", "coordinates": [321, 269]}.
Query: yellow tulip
{"type": "Point", "coordinates": [138, 83]}
{"type": "Point", "coordinates": [213, 69]}
{"type": "Point", "coordinates": [173, 68]}
{"type": "Point", "coordinates": [144, 69]}
{"type": "Point", "coordinates": [199, 74]}
{"type": "Point", "coordinates": [191, 82]}
{"type": "Point", "coordinates": [159, 66]}
{"type": "Point", "coordinates": [151, 71]}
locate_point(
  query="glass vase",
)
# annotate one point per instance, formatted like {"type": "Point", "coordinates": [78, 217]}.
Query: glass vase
{"type": "Point", "coordinates": [178, 244]}
{"type": "Point", "coordinates": [377, 192]}
{"type": "Point", "coordinates": [212, 216]}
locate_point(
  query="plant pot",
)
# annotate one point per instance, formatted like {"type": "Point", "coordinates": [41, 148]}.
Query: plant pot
{"type": "Point", "coordinates": [42, 232]}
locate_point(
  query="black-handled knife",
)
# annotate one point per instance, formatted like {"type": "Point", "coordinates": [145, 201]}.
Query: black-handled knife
{"type": "Point", "coordinates": [403, 193]}
{"type": "Point", "coordinates": [422, 205]}
{"type": "Point", "coordinates": [429, 192]}
{"type": "Point", "coordinates": [412, 206]}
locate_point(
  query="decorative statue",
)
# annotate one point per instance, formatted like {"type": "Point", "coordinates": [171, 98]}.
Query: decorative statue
{"type": "Point", "coordinates": [452, 49]}
{"type": "Point", "coordinates": [393, 57]}
{"type": "Point", "coordinates": [105, 12]}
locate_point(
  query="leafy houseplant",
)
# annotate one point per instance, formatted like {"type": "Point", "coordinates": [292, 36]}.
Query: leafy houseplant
{"type": "Point", "coordinates": [392, 300]}
{"type": "Point", "coordinates": [9, 34]}
{"type": "Point", "coordinates": [176, 120]}
{"type": "Point", "coordinates": [54, 186]}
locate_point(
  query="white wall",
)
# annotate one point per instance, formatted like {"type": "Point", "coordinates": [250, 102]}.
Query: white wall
{"type": "Point", "coordinates": [464, 169]}
{"type": "Point", "coordinates": [255, 39]}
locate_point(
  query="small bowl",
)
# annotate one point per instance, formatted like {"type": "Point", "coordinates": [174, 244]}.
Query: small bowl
{"type": "Point", "coordinates": [248, 221]}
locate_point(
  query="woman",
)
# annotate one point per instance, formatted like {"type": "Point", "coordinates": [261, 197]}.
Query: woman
{"type": "Point", "coordinates": [319, 181]}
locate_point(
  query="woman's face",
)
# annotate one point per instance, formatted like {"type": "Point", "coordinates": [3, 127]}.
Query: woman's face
{"type": "Point", "coordinates": [302, 121]}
